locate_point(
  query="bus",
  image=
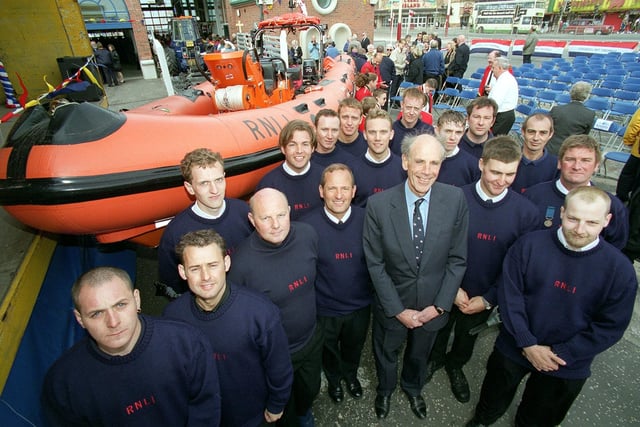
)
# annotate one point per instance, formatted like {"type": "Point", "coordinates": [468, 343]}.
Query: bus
{"type": "Point", "coordinates": [507, 16]}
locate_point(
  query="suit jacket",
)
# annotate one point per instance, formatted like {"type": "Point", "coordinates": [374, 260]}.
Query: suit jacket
{"type": "Point", "coordinates": [460, 61]}
{"type": "Point", "coordinates": [364, 43]}
{"type": "Point", "coordinates": [390, 255]}
{"type": "Point", "coordinates": [570, 119]}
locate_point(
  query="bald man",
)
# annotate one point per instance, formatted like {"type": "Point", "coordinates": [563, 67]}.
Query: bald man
{"type": "Point", "coordinates": [279, 259]}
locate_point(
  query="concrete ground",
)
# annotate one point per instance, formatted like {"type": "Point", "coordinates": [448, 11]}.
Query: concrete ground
{"type": "Point", "coordinates": [610, 397]}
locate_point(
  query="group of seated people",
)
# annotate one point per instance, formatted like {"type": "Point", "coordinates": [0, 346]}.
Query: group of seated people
{"type": "Point", "coordinates": [413, 231]}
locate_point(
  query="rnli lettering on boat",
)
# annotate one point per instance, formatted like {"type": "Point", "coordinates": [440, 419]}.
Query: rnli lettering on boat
{"type": "Point", "coordinates": [266, 127]}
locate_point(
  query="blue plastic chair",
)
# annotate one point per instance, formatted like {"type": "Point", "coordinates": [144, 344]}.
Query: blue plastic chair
{"type": "Point", "coordinates": [626, 95]}
{"type": "Point", "coordinates": [621, 110]}
{"type": "Point", "coordinates": [611, 84]}
{"type": "Point", "coordinates": [602, 92]}
{"type": "Point", "coordinates": [632, 87]}
{"type": "Point", "coordinates": [403, 86]}
{"type": "Point", "coordinates": [547, 98]}
{"type": "Point", "coordinates": [563, 98]}
{"type": "Point", "coordinates": [599, 105]}
{"type": "Point", "coordinates": [527, 93]}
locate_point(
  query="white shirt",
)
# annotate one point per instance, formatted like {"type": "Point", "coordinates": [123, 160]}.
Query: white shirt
{"type": "Point", "coordinates": [291, 172]}
{"type": "Point", "coordinates": [505, 92]}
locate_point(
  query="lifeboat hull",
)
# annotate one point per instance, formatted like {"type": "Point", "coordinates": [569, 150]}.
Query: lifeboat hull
{"type": "Point", "coordinates": [127, 182]}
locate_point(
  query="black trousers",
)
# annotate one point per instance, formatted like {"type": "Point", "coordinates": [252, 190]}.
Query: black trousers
{"type": "Point", "coordinates": [526, 59]}
{"type": "Point", "coordinates": [307, 363]}
{"type": "Point", "coordinates": [545, 401]}
{"type": "Point", "coordinates": [503, 123]}
{"type": "Point", "coordinates": [629, 178]}
{"type": "Point", "coordinates": [387, 343]}
{"type": "Point", "coordinates": [463, 342]}
{"type": "Point", "coordinates": [344, 338]}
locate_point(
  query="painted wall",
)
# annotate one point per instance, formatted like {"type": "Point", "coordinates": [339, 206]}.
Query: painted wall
{"type": "Point", "coordinates": [33, 34]}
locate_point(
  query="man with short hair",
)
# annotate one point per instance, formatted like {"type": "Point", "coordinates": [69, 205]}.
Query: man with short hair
{"type": "Point", "coordinates": [433, 62]}
{"type": "Point", "coordinates": [572, 118]}
{"type": "Point", "coordinates": [488, 79]}
{"type": "Point", "coordinates": [560, 308]}
{"type": "Point", "coordinates": [481, 114]}
{"type": "Point", "coordinates": [497, 217]}
{"type": "Point", "coordinates": [505, 93]}
{"type": "Point", "coordinates": [415, 244]}
{"type": "Point", "coordinates": [204, 177]}
{"type": "Point", "coordinates": [378, 168]}
{"type": "Point", "coordinates": [529, 46]}
{"type": "Point", "coordinates": [244, 329]}
{"type": "Point", "coordinates": [365, 42]}
{"type": "Point", "coordinates": [297, 177]}
{"type": "Point", "coordinates": [350, 138]}
{"type": "Point", "coordinates": [314, 49]}
{"type": "Point", "coordinates": [327, 151]}
{"type": "Point", "coordinates": [343, 286]}
{"type": "Point", "coordinates": [373, 66]}
{"type": "Point", "coordinates": [537, 164]}
{"type": "Point", "coordinates": [458, 167]}
{"type": "Point", "coordinates": [412, 104]}
{"type": "Point", "coordinates": [387, 70]}
{"type": "Point", "coordinates": [130, 369]}
{"type": "Point", "coordinates": [578, 159]}
{"type": "Point", "coordinates": [458, 66]}
{"type": "Point", "coordinates": [279, 259]}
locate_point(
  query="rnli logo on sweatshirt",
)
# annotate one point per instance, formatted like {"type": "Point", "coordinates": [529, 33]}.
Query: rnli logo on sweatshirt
{"type": "Point", "coordinates": [564, 286]}
{"type": "Point", "coordinates": [298, 283]}
{"type": "Point", "coordinates": [301, 206]}
{"type": "Point", "coordinates": [140, 404]}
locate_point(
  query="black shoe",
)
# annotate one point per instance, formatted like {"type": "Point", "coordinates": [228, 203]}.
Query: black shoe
{"type": "Point", "coordinates": [335, 393]}
{"type": "Point", "coordinates": [418, 406]}
{"type": "Point", "coordinates": [432, 368]}
{"type": "Point", "coordinates": [382, 406]}
{"type": "Point", "coordinates": [355, 389]}
{"type": "Point", "coordinates": [473, 423]}
{"type": "Point", "coordinates": [459, 384]}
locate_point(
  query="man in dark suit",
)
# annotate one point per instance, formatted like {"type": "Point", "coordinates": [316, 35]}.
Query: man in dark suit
{"type": "Point", "coordinates": [571, 119]}
{"type": "Point", "coordinates": [416, 275]}
{"type": "Point", "coordinates": [459, 64]}
{"type": "Point", "coordinates": [364, 42]}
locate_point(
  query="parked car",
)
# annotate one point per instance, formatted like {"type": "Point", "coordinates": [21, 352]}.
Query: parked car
{"type": "Point", "coordinates": [586, 26]}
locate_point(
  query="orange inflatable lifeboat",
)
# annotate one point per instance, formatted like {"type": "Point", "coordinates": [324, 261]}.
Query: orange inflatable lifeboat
{"type": "Point", "coordinates": [84, 170]}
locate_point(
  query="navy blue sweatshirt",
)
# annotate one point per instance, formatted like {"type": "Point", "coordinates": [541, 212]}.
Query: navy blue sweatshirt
{"type": "Point", "coordinates": [233, 226]}
{"type": "Point", "coordinates": [286, 273]}
{"type": "Point", "coordinates": [373, 178]}
{"type": "Point", "coordinates": [343, 284]}
{"type": "Point", "coordinates": [579, 303]}
{"type": "Point", "coordinates": [301, 190]}
{"type": "Point", "coordinates": [493, 227]}
{"type": "Point", "coordinates": [460, 169]}
{"type": "Point", "coordinates": [247, 338]}
{"type": "Point", "coordinates": [168, 379]}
